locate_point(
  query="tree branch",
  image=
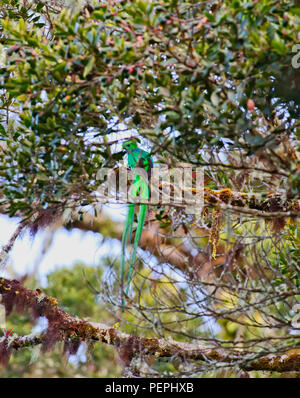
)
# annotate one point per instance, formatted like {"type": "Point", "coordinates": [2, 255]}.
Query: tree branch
{"type": "Point", "coordinates": [66, 328]}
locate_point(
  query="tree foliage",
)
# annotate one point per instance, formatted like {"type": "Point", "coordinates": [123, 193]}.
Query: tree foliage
{"type": "Point", "coordinates": [208, 84]}
{"type": "Point", "coordinates": [91, 361]}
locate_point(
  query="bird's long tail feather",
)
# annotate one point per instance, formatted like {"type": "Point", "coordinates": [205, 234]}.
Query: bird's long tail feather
{"type": "Point", "coordinates": [139, 230]}
{"type": "Point", "coordinates": [144, 193]}
{"type": "Point", "coordinates": [126, 233]}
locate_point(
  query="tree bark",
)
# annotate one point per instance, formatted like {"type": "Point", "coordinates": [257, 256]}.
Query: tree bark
{"type": "Point", "coordinates": [63, 327]}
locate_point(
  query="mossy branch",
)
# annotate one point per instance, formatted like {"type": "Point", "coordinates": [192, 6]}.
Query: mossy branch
{"type": "Point", "coordinates": [64, 327]}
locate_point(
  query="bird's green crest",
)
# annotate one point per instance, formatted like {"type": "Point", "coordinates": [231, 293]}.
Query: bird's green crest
{"type": "Point", "coordinates": [129, 145]}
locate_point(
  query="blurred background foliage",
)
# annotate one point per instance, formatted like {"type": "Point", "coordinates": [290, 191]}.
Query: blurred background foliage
{"type": "Point", "coordinates": [75, 295]}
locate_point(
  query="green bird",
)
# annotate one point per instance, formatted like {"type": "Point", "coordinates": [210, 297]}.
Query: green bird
{"type": "Point", "coordinates": [141, 159]}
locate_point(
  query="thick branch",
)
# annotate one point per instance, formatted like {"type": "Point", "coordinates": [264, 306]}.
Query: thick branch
{"type": "Point", "coordinates": [64, 327]}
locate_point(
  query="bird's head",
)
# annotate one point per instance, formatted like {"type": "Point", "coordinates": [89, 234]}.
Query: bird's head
{"type": "Point", "coordinates": [129, 145]}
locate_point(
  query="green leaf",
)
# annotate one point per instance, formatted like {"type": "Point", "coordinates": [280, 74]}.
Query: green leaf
{"type": "Point", "coordinates": [39, 6]}
{"type": "Point", "coordinates": [279, 47]}
{"type": "Point", "coordinates": [295, 11]}
{"type": "Point", "coordinates": [89, 66]}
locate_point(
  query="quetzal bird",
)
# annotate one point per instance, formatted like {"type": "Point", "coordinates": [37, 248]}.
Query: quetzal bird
{"type": "Point", "coordinates": [141, 159]}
